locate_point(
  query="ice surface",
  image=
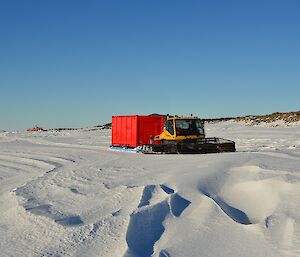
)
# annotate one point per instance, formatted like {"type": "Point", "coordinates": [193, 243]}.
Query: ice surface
{"type": "Point", "coordinates": [65, 194]}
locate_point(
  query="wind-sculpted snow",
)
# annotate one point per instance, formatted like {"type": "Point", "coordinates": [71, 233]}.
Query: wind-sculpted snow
{"type": "Point", "coordinates": [37, 205]}
{"type": "Point", "coordinates": [65, 194]}
{"type": "Point", "coordinates": [146, 223]}
{"type": "Point", "coordinates": [234, 213]}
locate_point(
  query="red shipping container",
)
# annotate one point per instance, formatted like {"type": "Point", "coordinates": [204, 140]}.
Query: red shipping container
{"type": "Point", "coordinates": [135, 130]}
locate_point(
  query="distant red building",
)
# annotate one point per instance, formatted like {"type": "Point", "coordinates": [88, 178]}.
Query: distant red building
{"type": "Point", "coordinates": [36, 128]}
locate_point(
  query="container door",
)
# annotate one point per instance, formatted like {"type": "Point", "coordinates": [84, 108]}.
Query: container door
{"type": "Point", "coordinates": [124, 131]}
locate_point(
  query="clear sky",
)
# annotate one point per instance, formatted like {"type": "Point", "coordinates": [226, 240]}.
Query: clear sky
{"type": "Point", "coordinates": [70, 63]}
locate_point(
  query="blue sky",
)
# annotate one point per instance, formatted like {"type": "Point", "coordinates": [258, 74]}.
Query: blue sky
{"type": "Point", "coordinates": [77, 63]}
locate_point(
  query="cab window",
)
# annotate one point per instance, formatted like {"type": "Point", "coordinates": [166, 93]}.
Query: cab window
{"type": "Point", "coordinates": [169, 126]}
{"type": "Point", "coordinates": [186, 127]}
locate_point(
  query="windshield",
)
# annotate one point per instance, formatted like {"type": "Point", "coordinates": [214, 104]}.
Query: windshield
{"type": "Point", "coordinates": [189, 127]}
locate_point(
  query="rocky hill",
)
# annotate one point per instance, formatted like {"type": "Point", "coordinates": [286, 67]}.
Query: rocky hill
{"type": "Point", "coordinates": [285, 117]}
{"type": "Point", "coordinates": [252, 120]}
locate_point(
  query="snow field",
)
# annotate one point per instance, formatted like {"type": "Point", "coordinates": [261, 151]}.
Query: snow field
{"type": "Point", "coordinates": [66, 194]}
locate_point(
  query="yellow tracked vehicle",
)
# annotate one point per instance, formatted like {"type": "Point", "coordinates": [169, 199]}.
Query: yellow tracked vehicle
{"type": "Point", "coordinates": [186, 134]}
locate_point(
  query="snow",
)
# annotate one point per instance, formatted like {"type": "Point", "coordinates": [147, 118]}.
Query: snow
{"type": "Point", "coordinates": [65, 194]}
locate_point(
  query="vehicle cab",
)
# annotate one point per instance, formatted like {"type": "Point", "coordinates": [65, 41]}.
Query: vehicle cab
{"type": "Point", "coordinates": [182, 127]}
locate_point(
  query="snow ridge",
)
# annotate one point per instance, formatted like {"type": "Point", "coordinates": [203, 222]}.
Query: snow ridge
{"type": "Point", "coordinates": [146, 223]}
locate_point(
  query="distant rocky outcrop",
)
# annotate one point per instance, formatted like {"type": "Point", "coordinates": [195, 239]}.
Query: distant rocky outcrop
{"type": "Point", "coordinates": [284, 117]}
{"type": "Point", "coordinates": [63, 129]}
{"type": "Point", "coordinates": [104, 126]}
{"type": "Point", "coordinates": [254, 120]}
{"type": "Point", "coordinates": [215, 120]}
{"type": "Point", "coordinates": [98, 127]}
